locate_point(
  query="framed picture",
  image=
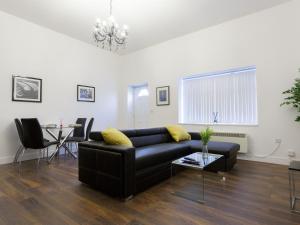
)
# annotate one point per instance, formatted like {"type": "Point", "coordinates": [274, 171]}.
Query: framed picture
{"type": "Point", "coordinates": [85, 93]}
{"type": "Point", "coordinates": [26, 89]}
{"type": "Point", "coordinates": [163, 96]}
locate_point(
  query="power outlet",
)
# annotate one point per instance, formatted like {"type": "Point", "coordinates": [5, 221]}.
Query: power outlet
{"type": "Point", "coordinates": [291, 153]}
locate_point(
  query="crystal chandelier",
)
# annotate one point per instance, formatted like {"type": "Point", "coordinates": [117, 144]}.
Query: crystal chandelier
{"type": "Point", "coordinates": [108, 34]}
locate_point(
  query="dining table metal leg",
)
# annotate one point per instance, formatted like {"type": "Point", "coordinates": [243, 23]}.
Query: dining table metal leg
{"type": "Point", "coordinates": [62, 143]}
{"type": "Point", "coordinates": [69, 151]}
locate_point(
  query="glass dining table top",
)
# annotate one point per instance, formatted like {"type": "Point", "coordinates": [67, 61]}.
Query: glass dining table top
{"type": "Point", "coordinates": [56, 126]}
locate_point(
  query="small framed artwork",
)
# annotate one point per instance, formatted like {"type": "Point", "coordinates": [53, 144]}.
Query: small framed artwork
{"type": "Point", "coordinates": [163, 96]}
{"type": "Point", "coordinates": [26, 89]}
{"type": "Point", "coordinates": [85, 93]}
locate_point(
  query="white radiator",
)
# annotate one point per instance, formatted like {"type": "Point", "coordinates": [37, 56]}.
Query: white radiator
{"type": "Point", "coordinates": [238, 138]}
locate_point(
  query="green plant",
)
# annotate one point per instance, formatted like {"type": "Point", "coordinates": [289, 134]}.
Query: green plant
{"type": "Point", "coordinates": [206, 135]}
{"type": "Point", "coordinates": [293, 97]}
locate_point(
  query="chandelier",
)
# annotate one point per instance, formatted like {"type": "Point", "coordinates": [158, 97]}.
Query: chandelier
{"type": "Point", "coordinates": [108, 34]}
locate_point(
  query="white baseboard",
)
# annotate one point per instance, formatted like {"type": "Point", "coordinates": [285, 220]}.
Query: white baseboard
{"type": "Point", "coordinates": [27, 156]}
{"type": "Point", "coordinates": [269, 159]}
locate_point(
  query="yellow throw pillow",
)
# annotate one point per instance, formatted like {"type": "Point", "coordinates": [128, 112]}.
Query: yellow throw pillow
{"type": "Point", "coordinates": [178, 133]}
{"type": "Point", "coordinates": [113, 136]}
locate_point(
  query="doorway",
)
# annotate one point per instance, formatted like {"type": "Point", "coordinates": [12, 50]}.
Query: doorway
{"type": "Point", "coordinates": [140, 110]}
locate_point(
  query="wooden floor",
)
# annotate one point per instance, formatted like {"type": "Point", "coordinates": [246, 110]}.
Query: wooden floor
{"type": "Point", "coordinates": [254, 193]}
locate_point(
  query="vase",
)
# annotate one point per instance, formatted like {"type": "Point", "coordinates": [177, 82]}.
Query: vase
{"type": "Point", "coordinates": [205, 152]}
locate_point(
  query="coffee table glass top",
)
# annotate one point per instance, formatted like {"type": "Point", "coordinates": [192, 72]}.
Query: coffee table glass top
{"type": "Point", "coordinates": [294, 165]}
{"type": "Point", "coordinates": [197, 157]}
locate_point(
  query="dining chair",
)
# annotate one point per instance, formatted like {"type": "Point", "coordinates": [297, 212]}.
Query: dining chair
{"type": "Point", "coordinates": [78, 133]}
{"type": "Point", "coordinates": [21, 137]}
{"type": "Point", "coordinates": [89, 129]}
{"type": "Point", "coordinates": [33, 137]}
{"type": "Point", "coordinates": [87, 134]}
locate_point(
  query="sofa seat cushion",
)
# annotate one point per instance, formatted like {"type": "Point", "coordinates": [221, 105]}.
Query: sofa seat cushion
{"type": "Point", "coordinates": [223, 148]}
{"type": "Point", "coordinates": [160, 153]}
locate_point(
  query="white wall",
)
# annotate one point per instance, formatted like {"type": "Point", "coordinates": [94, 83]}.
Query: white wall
{"type": "Point", "coordinates": [269, 39]}
{"type": "Point", "coordinates": [62, 62]}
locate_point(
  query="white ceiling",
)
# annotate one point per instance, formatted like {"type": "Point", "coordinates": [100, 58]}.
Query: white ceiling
{"type": "Point", "coordinates": [150, 21]}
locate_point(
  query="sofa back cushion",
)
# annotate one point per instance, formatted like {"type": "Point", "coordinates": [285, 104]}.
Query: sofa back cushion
{"type": "Point", "coordinates": [151, 136]}
{"type": "Point", "coordinates": [141, 137]}
{"type": "Point", "coordinates": [112, 136]}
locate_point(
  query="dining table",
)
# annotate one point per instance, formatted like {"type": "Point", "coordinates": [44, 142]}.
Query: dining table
{"type": "Point", "coordinates": [56, 132]}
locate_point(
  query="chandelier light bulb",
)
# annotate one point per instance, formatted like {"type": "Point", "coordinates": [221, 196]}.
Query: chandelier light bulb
{"type": "Point", "coordinates": [104, 23]}
{"type": "Point", "coordinates": [112, 19]}
{"type": "Point", "coordinates": [98, 21]}
{"type": "Point", "coordinates": [125, 27]}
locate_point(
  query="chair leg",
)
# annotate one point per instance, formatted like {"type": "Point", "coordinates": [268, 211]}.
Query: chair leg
{"type": "Point", "coordinates": [18, 154]}
{"type": "Point", "coordinates": [71, 146]}
{"type": "Point", "coordinates": [39, 158]}
{"type": "Point", "coordinates": [20, 162]}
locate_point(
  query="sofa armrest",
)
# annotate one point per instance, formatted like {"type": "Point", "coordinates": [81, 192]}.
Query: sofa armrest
{"type": "Point", "coordinates": [109, 168]}
{"type": "Point", "coordinates": [195, 135]}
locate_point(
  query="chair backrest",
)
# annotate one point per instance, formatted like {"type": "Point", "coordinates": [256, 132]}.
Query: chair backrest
{"type": "Point", "coordinates": [79, 131]}
{"type": "Point", "coordinates": [88, 129]}
{"type": "Point", "coordinates": [20, 130]}
{"type": "Point", "coordinates": [33, 134]}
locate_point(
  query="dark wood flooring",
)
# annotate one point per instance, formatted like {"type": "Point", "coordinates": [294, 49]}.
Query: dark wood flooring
{"type": "Point", "coordinates": [254, 193]}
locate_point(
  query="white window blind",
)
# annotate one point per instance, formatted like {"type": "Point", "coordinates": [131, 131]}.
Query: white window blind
{"type": "Point", "coordinates": [227, 97]}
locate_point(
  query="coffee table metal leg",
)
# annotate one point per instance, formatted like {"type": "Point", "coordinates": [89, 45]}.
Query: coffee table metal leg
{"type": "Point", "coordinates": [171, 179]}
{"type": "Point", "coordinates": [291, 192]}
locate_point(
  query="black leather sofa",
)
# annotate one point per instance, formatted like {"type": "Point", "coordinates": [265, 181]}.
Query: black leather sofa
{"type": "Point", "coordinates": [124, 171]}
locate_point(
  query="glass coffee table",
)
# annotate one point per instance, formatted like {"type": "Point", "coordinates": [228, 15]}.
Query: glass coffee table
{"type": "Point", "coordinates": [294, 168]}
{"type": "Point", "coordinates": [198, 162]}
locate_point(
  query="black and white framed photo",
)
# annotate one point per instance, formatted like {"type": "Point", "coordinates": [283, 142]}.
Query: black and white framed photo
{"type": "Point", "coordinates": [163, 96]}
{"type": "Point", "coordinates": [26, 89]}
{"type": "Point", "coordinates": [85, 93]}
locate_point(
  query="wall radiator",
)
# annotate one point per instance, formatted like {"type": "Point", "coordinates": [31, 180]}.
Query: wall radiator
{"type": "Point", "coordinates": [238, 138]}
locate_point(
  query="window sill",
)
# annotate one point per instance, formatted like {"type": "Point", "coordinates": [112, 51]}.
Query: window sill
{"type": "Point", "coordinates": [220, 124]}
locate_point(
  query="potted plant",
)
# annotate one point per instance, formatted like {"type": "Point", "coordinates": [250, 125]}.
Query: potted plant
{"type": "Point", "coordinates": [205, 138]}
{"type": "Point", "coordinates": [293, 97]}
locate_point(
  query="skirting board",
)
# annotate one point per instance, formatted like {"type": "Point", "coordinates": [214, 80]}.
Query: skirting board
{"type": "Point", "coordinates": [269, 159]}
{"type": "Point", "coordinates": [10, 159]}
{"type": "Point", "coordinates": [27, 156]}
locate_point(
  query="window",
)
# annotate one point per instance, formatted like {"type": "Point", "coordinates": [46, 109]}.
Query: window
{"type": "Point", "coordinates": [227, 97]}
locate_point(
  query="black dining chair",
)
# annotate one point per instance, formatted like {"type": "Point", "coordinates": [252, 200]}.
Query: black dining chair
{"type": "Point", "coordinates": [33, 137]}
{"type": "Point", "coordinates": [21, 137]}
{"type": "Point", "coordinates": [78, 133]}
{"type": "Point", "coordinates": [87, 134]}
{"type": "Point", "coordinates": [89, 129]}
